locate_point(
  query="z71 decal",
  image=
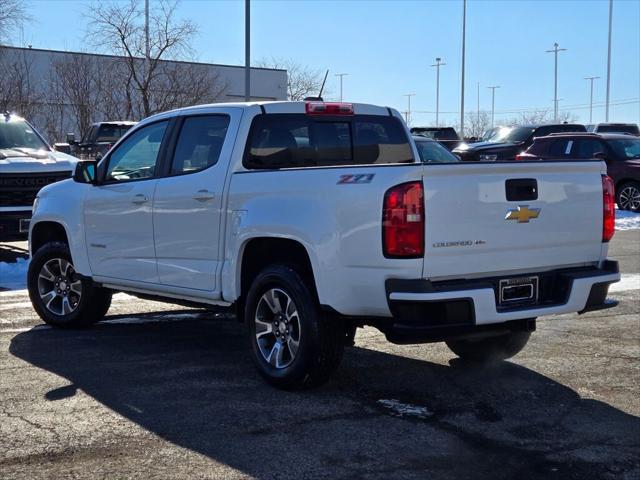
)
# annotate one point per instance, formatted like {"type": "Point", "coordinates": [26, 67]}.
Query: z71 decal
{"type": "Point", "coordinates": [360, 178]}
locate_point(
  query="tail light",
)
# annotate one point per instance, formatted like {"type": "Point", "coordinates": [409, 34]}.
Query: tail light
{"type": "Point", "coordinates": [609, 210]}
{"type": "Point", "coordinates": [328, 108]}
{"type": "Point", "coordinates": [519, 157]}
{"type": "Point", "coordinates": [403, 221]}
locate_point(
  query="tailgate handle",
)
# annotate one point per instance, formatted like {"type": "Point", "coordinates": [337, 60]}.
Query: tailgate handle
{"type": "Point", "coordinates": [521, 189]}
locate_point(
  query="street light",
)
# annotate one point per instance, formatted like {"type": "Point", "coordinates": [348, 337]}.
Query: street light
{"type": "Point", "coordinates": [408, 116]}
{"type": "Point", "coordinates": [606, 115]}
{"type": "Point", "coordinates": [247, 50]}
{"type": "Point", "coordinates": [438, 64]}
{"type": "Point", "coordinates": [493, 101]}
{"type": "Point", "coordinates": [341, 75]}
{"type": "Point", "coordinates": [591, 79]}
{"type": "Point", "coordinates": [464, 36]}
{"type": "Point", "coordinates": [555, 79]}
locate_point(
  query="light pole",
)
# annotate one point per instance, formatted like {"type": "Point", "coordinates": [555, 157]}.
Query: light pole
{"type": "Point", "coordinates": [591, 79]}
{"type": "Point", "coordinates": [493, 101]}
{"type": "Point", "coordinates": [464, 31]}
{"type": "Point", "coordinates": [606, 111]}
{"type": "Point", "coordinates": [247, 50]}
{"type": "Point", "coordinates": [409, 95]}
{"type": "Point", "coordinates": [478, 105]}
{"type": "Point", "coordinates": [341, 75]}
{"type": "Point", "coordinates": [555, 79]}
{"type": "Point", "coordinates": [438, 64]}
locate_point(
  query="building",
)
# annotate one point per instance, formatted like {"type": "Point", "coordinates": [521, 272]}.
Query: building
{"type": "Point", "coordinates": [62, 92]}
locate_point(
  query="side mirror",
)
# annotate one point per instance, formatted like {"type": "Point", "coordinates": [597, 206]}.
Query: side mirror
{"type": "Point", "coordinates": [85, 172]}
{"type": "Point", "coordinates": [71, 138]}
{"type": "Point", "coordinates": [600, 156]}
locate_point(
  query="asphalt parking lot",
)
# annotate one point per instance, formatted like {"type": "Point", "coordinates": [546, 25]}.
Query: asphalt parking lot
{"type": "Point", "coordinates": [163, 392]}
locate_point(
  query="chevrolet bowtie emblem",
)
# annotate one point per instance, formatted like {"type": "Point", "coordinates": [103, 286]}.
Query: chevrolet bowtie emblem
{"type": "Point", "coordinates": [522, 214]}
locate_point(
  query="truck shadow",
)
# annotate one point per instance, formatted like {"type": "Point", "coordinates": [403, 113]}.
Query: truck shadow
{"type": "Point", "coordinates": [192, 383]}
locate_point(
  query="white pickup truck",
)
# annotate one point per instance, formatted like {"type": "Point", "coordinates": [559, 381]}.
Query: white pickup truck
{"type": "Point", "coordinates": [310, 219]}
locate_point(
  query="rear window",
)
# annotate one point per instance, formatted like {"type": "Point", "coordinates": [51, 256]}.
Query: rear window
{"type": "Point", "coordinates": [632, 129]}
{"type": "Point", "coordinates": [111, 133]}
{"type": "Point", "coordinates": [294, 140]}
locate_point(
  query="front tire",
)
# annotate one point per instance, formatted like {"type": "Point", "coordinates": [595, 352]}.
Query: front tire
{"type": "Point", "coordinates": [294, 345]}
{"type": "Point", "coordinates": [491, 349]}
{"type": "Point", "coordinates": [628, 196]}
{"type": "Point", "coordinates": [59, 295]}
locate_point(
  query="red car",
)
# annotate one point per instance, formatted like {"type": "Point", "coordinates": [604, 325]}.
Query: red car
{"type": "Point", "coordinates": [620, 151]}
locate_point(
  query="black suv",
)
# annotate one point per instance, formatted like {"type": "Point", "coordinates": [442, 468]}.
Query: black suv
{"type": "Point", "coordinates": [509, 142]}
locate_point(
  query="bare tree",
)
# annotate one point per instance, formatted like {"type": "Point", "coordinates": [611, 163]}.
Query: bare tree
{"type": "Point", "coordinates": [476, 124]}
{"type": "Point", "coordinates": [20, 90]}
{"type": "Point", "coordinates": [302, 81]}
{"type": "Point", "coordinates": [75, 77]}
{"type": "Point", "coordinates": [12, 15]}
{"type": "Point", "coordinates": [151, 83]}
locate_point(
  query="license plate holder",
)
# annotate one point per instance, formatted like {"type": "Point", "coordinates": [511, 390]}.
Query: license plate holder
{"type": "Point", "coordinates": [518, 290]}
{"type": "Point", "coordinates": [23, 226]}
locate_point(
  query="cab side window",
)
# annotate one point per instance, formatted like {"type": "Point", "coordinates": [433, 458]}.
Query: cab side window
{"type": "Point", "coordinates": [199, 144]}
{"type": "Point", "coordinates": [136, 158]}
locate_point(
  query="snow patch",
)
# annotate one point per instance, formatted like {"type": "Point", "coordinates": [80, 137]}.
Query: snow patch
{"type": "Point", "coordinates": [629, 281]}
{"type": "Point", "coordinates": [399, 409]}
{"type": "Point", "coordinates": [626, 220]}
{"type": "Point", "coordinates": [13, 276]}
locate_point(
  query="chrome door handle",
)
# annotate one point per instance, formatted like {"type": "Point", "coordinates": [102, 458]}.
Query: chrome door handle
{"type": "Point", "coordinates": [203, 195]}
{"type": "Point", "coordinates": [139, 199]}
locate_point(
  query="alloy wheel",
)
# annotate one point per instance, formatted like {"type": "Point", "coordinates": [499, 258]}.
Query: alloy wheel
{"type": "Point", "coordinates": [630, 198]}
{"type": "Point", "coordinates": [59, 287]}
{"type": "Point", "coordinates": [277, 328]}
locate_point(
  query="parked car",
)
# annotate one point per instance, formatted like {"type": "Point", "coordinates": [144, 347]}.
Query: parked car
{"type": "Point", "coordinates": [27, 163]}
{"type": "Point", "coordinates": [431, 151]}
{"type": "Point", "coordinates": [620, 151]}
{"type": "Point", "coordinates": [630, 128]}
{"type": "Point", "coordinates": [507, 142]}
{"type": "Point", "coordinates": [446, 136]}
{"type": "Point", "coordinates": [310, 219]}
{"type": "Point", "coordinates": [96, 141]}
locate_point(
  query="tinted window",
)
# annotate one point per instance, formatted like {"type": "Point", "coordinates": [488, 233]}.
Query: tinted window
{"type": "Point", "coordinates": [292, 140]}
{"type": "Point", "coordinates": [561, 147]}
{"type": "Point", "coordinates": [626, 148]}
{"type": "Point", "coordinates": [136, 157]}
{"type": "Point", "coordinates": [433, 152]}
{"type": "Point", "coordinates": [200, 143]}
{"type": "Point", "coordinates": [587, 148]}
{"type": "Point", "coordinates": [511, 135]}
{"type": "Point", "coordinates": [111, 133]}
{"type": "Point", "coordinates": [633, 129]}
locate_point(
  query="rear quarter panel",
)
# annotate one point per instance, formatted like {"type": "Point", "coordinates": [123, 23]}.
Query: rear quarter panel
{"type": "Point", "coordinates": [339, 224]}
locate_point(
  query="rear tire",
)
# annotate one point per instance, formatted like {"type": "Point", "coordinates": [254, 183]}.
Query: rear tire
{"type": "Point", "coordinates": [59, 295]}
{"type": "Point", "coordinates": [491, 349]}
{"type": "Point", "coordinates": [628, 196]}
{"type": "Point", "coordinates": [293, 344]}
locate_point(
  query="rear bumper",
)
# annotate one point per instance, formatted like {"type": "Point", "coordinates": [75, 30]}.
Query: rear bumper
{"type": "Point", "coordinates": [424, 311]}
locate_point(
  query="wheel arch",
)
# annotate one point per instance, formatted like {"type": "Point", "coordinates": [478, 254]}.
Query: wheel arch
{"type": "Point", "coordinates": [46, 231]}
{"type": "Point", "coordinates": [259, 252]}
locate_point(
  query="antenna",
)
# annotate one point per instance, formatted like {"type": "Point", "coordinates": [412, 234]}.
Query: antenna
{"type": "Point", "coordinates": [323, 82]}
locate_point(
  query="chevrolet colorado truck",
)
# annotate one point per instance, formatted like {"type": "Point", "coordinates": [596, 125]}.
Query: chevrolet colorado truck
{"type": "Point", "coordinates": [27, 163]}
{"type": "Point", "coordinates": [311, 219]}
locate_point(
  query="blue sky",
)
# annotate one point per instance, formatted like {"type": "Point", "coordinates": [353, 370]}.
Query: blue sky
{"type": "Point", "coordinates": [387, 47]}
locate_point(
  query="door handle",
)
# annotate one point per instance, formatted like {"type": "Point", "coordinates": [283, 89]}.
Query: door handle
{"type": "Point", "coordinates": [139, 199]}
{"type": "Point", "coordinates": [203, 195]}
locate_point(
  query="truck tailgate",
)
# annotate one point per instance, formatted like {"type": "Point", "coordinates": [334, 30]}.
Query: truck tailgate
{"type": "Point", "coordinates": [472, 226]}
